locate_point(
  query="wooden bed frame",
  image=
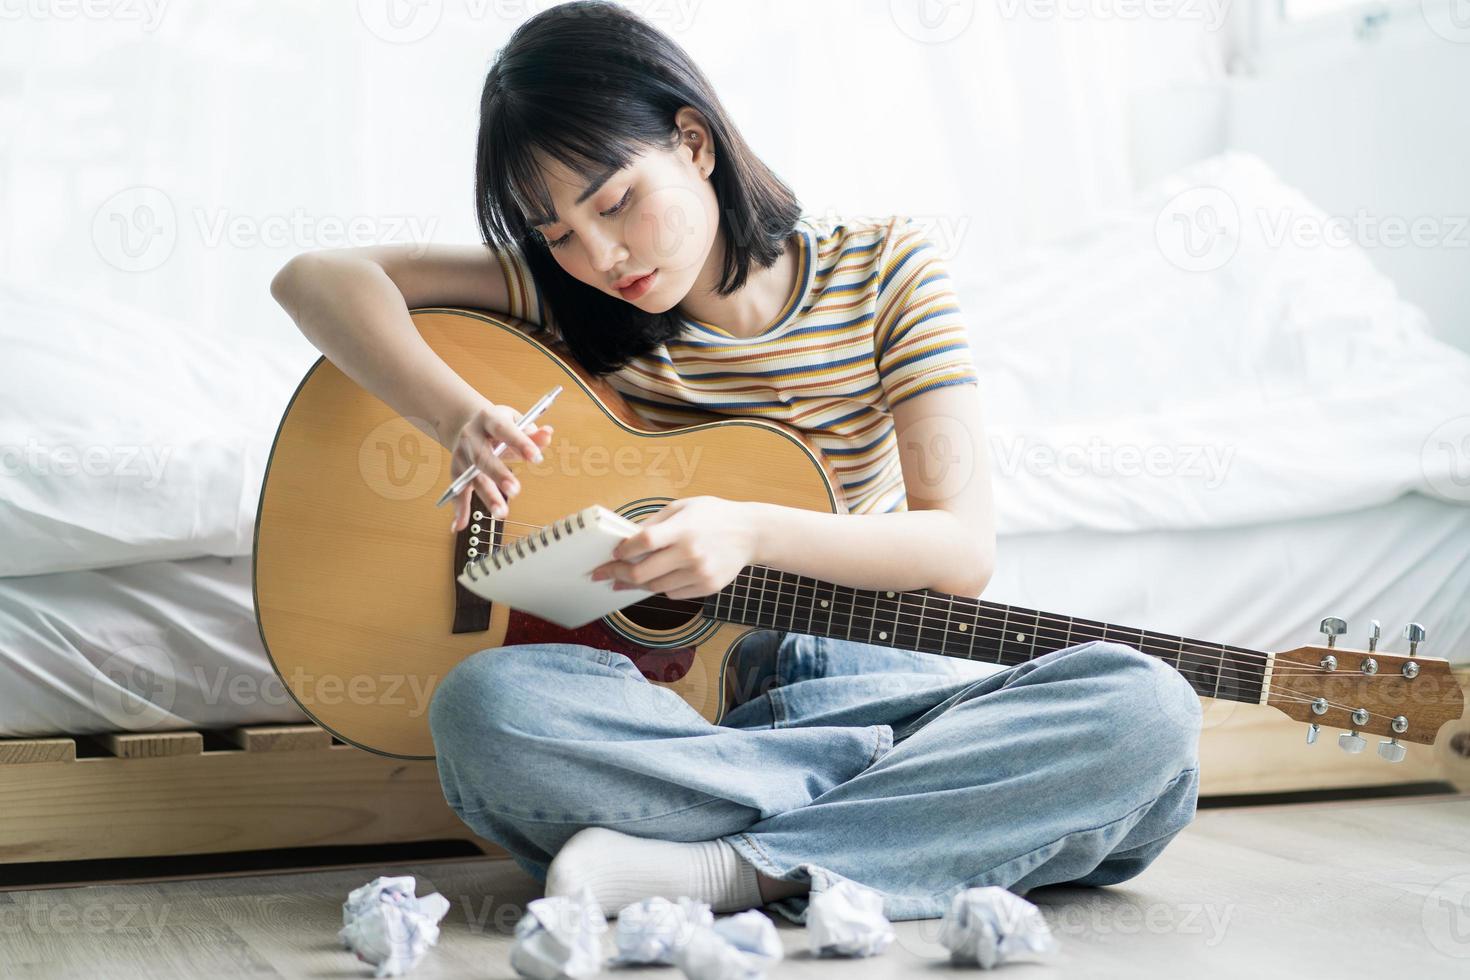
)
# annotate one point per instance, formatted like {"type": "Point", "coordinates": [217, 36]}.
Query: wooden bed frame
{"type": "Point", "coordinates": [266, 787]}
{"type": "Point", "coordinates": [240, 789]}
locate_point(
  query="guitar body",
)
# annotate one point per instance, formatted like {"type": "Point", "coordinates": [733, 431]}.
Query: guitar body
{"type": "Point", "coordinates": [355, 567]}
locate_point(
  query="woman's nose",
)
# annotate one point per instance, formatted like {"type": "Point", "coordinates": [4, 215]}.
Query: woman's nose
{"type": "Point", "coordinates": [605, 253]}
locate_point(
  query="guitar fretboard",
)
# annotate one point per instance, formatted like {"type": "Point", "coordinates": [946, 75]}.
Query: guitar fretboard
{"type": "Point", "coordinates": [956, 626]}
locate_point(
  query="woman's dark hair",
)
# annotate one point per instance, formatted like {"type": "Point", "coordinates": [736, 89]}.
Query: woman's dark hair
{"type": "Point", "coordinates": [593, 86]}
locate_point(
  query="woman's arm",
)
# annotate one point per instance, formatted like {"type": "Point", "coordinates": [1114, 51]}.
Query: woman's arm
{"type": "Point", "coordinates": [946, 539]}
{"type": "Point", "coordinates": [352, 304]}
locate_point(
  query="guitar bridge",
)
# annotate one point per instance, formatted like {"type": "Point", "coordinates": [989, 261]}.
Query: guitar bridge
{"type": "Point", "coordinates": [481, 536]}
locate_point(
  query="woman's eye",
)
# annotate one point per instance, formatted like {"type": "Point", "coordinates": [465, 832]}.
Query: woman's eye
{"type": "Point", "coordinates": [621, 204]}
{"type": "Point", "coordinates": [558, 243]}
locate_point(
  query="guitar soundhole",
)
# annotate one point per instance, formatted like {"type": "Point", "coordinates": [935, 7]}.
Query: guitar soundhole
{"type": "Point", "coordinates": [659, 612]}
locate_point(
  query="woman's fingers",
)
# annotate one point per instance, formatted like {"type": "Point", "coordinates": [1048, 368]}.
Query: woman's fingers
{"type": "Point", "coordinates": [495, 484]}
{"type": "Point", "coordinates": [517, 439]}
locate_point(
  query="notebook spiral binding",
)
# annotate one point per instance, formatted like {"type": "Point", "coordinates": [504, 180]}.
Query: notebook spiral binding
{"type": "Point", "coordinates": [506, 555]}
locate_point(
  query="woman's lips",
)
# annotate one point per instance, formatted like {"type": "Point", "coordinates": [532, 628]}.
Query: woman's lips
{"type": "Point", "coordinates": [638, 287]}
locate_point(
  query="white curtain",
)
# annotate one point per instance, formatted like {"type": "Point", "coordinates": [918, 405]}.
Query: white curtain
{"type": "Point", "coordinates": [172, 155]}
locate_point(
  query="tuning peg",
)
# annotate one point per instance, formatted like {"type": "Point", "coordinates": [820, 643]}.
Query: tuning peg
{"type": "Point", "coordinates": [1414, 633]}
{"type": "Point", "coordinates": [1351, 742]}
{"type": "Point", "coordinates": [1312, 731]}
{"type": "Point", "coordinates": [1391, 750]}
{"type": "Point", "coordinates": [1373, 634]}
{"type": "Point", "coordinates": [1333, 628]}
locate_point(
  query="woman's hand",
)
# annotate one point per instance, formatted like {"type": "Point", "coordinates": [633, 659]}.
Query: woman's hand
{"type": "Point", "coordinates": [693, 547]}
{"type": "Point", "coordinates": [488, 425]}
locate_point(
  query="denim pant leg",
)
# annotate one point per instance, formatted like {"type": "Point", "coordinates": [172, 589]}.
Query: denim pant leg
{"type": "Point", "coordinates": [537, 741]}
{"type": "Point", "coordinates": [1076, 767]}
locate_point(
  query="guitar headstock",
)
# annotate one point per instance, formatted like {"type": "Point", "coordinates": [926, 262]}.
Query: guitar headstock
{"type": "Point", "coordinates": [1404, 697]}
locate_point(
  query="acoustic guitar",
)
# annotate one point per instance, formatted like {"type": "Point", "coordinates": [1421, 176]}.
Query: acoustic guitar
{"type": "Point", "coordinates": [358, 604]}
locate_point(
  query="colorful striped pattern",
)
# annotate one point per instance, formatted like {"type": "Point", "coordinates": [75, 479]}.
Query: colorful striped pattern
{"type": "Point", "coordinates": [872, 322]}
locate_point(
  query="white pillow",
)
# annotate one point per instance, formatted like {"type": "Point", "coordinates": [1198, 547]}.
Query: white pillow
{"type": "Point", "coordinates": [1132, 383]}
{"type": "Point", "coordinates": [127, 437]}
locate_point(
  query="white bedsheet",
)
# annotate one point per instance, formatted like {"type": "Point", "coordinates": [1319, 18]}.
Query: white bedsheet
{"type": "Point", "coordinates": [174, 644]}
{"type": "Point", "coordinates": [149, 647]}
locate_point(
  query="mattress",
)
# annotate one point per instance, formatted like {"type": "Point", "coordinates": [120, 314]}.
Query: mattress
{"type": "Point", "coordinates": [173, 644]}
{"type": "Point", "coordinates": [135, 648]}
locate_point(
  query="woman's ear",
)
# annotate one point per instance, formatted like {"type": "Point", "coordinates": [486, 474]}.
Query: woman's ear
{"type": "Point", "coordinates": [694, 135]}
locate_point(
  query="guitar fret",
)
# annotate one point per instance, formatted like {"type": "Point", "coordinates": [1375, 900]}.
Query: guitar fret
{"type": "Point", "coordinates": [811, 609]}
{"type": "Point", "coordinates": [1023, 634]}
{"type": "Point", "coordinates": [795, 601]}
{"type": "Point", "coordinates": [831, 609]}
{"type": "Point", "coordinates": [765, 581]}
{"type": "Point", "coordinates": [744, 609]}
{"type": "Point", "coordinates": [1156, 644]}
{"type": "Point", "coordinates": [1005, 618]}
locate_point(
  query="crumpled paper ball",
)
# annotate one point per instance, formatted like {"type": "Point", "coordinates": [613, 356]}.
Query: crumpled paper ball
{"type": "Point", "coordinates": [560, 937]}
{"type": "Point", "coordinates": [651, 930]}
{"type": "Point", "coordinates": [738, 947]}
{"type": "Point", "coordinates": [385, 924]}
{"type": "Point", "coordinates": [989, 926]}
{"type": "Point", "coordinates": [847, 920]}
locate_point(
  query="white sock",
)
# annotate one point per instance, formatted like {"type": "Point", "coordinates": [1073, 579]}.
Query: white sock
{"type": "Point", "coordinates": [622, 869]}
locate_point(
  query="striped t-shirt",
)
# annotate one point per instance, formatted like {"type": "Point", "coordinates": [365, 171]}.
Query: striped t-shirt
{"type": "Point", "coordinates": [872, 321]}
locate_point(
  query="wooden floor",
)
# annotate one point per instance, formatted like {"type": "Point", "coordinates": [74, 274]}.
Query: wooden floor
{"type": "Point", "coordinates": [1372, 888]}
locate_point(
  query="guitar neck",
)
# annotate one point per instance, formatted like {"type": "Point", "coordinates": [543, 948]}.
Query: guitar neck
{"type": "Point", "coordinates": [956, 626]}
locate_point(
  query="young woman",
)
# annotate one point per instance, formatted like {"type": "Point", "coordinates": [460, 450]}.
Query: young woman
{"type": "Point", "coordinates": [623, 213]}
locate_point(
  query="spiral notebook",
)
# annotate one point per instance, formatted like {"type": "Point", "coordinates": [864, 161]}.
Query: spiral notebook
{"type": "Point", "coordinates": [545, 571]}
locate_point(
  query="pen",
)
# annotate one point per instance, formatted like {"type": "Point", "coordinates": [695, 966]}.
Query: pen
{"type": "Point", "coordinates": [474, 470]}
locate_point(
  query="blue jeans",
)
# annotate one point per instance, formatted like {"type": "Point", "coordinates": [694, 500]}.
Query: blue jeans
{"type": "Point", "coordinates": [913, 774]}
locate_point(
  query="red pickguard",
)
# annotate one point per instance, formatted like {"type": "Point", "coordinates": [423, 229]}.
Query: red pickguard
{"type": "Point", "coordinates": [662, 664]}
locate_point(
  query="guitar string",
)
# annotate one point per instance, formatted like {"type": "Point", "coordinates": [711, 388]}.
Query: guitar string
{"type": "Point", "coordinates": [916, 618]}
{"type": "Point", "coordinates": [1287, 695]}
{"type": "Point", "coordinates": [1192, 658]}
{"type": "Point", "coordinates": [1300, 698]}
{"type": "Point", "coordinates": [1242, 659]}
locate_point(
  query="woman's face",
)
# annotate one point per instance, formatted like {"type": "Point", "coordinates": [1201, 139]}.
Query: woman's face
{"type": "Point", "coordinates": [658, 215]}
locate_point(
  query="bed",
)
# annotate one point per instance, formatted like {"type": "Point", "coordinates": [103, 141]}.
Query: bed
{"type": "Point", "coordinates": [137, 690]}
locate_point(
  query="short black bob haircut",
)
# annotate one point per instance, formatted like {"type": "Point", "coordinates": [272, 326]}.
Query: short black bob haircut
{"type": "Point", "coordinates": [592, 85]}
